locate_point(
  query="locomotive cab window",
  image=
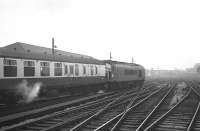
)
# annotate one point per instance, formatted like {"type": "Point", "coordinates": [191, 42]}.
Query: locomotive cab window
{"type": "Point", "coordinates": [58, 69]}
{"type": "Point", "coordinates": [29, 68]}
{"type": "Point", "coordinates": [130, 72]}
{"type": "Point", "coordinates": [44, 69]}
{"type": "Point", "coordinates": [10, 68]}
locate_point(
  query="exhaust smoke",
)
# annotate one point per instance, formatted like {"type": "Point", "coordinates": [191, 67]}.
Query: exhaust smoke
{"type": "Point", "coordinates": [28, 92]}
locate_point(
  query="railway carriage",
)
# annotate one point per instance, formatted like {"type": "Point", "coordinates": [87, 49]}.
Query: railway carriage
{"type": "Point", "coordinates": [57, 71]}
{"type": "Point", "coordinates": [34, 64]}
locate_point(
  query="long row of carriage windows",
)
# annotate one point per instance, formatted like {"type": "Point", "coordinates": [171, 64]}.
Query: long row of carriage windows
{"type": "Point", "coordinates": [10, 68]}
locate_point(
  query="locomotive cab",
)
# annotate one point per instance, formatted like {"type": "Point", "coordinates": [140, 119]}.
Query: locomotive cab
{"type": "Point", "coordinates": [126, 74]}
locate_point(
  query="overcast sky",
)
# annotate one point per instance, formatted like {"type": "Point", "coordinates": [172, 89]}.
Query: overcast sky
{"type": "Point", "coordinates": [164, 34]}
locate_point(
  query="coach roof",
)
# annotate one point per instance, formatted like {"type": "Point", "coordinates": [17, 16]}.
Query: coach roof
{"type": "Point", "coordinates": [27, 51]}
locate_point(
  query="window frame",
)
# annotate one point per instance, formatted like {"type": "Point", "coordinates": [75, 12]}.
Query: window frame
{"type": "Point", "coordinates": [71, 69]}
{"type": "Point", "coordinates": [33, 62]}
{"type": "Point", "coordinates": [58, 67]}
{"type": "Point", "coordinates": [7, 65]}
{"type": "Point", "coordinates": [96, 70]}
{"type": "Point", "coordinates": [46, 65]}
{"type": "Point", "coordinates": [28, 65]}
{"type": "Point", "coordinates": [91, 70]}
{"type": "Point", "coordinates": [66, 70]}
{"type": "Point", "coordinates": [9, 59]}
{"type": "Point", "coordinates": [84, 70]}
{"type": "Point", "coordinates": [76, 69]}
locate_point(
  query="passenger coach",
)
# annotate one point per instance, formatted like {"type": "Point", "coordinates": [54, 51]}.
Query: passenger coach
{"type": "Point", "coordinates": [21, 61]}
{"type": "Point", "coordinates": [24, 65]}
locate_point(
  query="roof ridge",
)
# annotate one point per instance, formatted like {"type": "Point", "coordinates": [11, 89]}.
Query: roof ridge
{"type": "Point", "coordinates": [26, 46]}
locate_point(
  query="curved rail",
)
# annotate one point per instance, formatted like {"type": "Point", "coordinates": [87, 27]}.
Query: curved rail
{"type": "Point", "coordinates": [182, 102]}
{"type": "Point", "coordinates": [114, 119]}
{"type": "Point", "coordinates": [108, 112]}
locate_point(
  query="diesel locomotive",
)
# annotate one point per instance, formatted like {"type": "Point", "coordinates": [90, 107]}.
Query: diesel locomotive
{"type": "Point", "coordinates": [24, 67]}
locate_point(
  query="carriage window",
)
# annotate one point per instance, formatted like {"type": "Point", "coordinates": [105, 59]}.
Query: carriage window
{"type": "Point", "coordinates": [66, 69]}
{"type": "Point", "coordinates": [44, 69]}
{"type": "Point", "coordinates": [29, 68]}
{"type": "Point", "coordinates": [84, 69]}
{"type": "Point", "coordinates": [71, 69]}
{"type": "Point", "coordinates": [10, 68]}
{"type": "Point", "coordinates": [96, 70]}
{"type": "Point", "coordinates": [92, 70]}
{"type": "Point", "coordinates": [76, 70]}
{"type": "Point", "coordinates": [58, 69]}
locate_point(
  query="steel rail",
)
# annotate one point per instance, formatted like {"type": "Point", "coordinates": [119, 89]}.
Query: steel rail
{"type": "Point", "coordinates": [110, 105]}
{"type": "Point", "coordinates": [193, 84]}
{"type": "Point", "coordinates": [31, 112]}
{"type": "Point", "coordinates": [121, 114]}
{"type": "Point", "coordinates": [167, 113]}
{"type": "Point", "coordinates": [154, 110]}
{"type": "Point", "coordinates": [40, 118]}
{"type": "Point", "coordinates": [193, 118]}
{"type": "Point", "coordinates": [122, 117]}
{"type": "Point", "coordinates": [98, 113]}
{"type": "Point", "coordinates": [43, 118]}
{"type": "Point", "coordinates": [57, 113]}
{"type": "Point", "coordinates": [53, 127]}
{"type": "Point", "coordinates": [103, 110]}
{"type": "Point", "coordinates": [196, 112]}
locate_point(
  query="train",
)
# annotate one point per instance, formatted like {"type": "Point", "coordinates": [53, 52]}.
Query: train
{"type": "Point", "coordinates": [27, 69]}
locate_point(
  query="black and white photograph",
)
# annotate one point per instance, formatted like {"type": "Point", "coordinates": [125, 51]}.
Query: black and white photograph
{"type": "Point", "coordinates": [99, 65]}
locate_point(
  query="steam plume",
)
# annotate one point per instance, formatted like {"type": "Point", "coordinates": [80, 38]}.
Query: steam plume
{"type": "Point", "coordinates": [28, 92]}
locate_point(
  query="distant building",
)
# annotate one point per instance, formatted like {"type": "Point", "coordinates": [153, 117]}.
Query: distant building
{"type": "Point", "coordinates": [171, 73]}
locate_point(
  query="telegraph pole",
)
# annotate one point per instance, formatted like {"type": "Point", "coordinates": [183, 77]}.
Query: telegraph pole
{"type": "Point", "coordinates": [132, 60]}
{"type": "Point", "coordinates": [110, 55]}
{"type": "Point", "coordinates": [53, 46]}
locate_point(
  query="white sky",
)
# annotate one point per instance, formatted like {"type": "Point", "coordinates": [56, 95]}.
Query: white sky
{"type": "Point", "coordinates": [155, 33]}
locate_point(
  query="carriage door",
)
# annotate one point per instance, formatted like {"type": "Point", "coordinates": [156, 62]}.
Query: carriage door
{"type": "Point", "coordinates": [109, 75]}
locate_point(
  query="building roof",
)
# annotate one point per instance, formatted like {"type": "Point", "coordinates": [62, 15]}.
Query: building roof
{"type": "Point", "coordinates": [27, 51]}
{"type": "Point", "coordinates": [118, 62]}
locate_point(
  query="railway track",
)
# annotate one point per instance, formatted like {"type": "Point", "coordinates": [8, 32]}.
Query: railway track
{"type": "Point", "coordinates": [179, 117]}
{"type": "Point", "coordinates": [69, 116]}
{"type": "Point", "coordinates": [74, 110]}
{"type": "Point", "coordinates": [6, 110]}
{"type": "Point", "coordinates": [31, 114]}
{"type": "Point", "coordinates": [109, 112]}
{"type": "Point", "coordinates": [169, 112]}
{"type": "Point", "coordinates": [133, 115]}
{"type": "Point", "coordinates": [21, 107]}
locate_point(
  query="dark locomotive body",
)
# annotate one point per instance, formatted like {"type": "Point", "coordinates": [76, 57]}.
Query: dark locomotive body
{"type": "Point", "coordinates": [61, 71]}
{"type": "Point", "coordinates": [124, 74]}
